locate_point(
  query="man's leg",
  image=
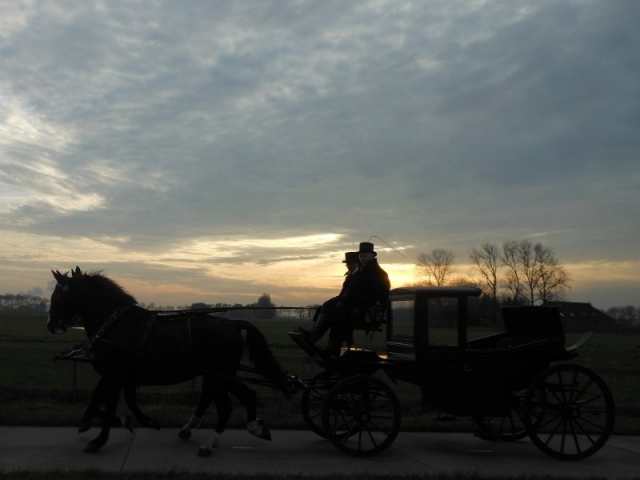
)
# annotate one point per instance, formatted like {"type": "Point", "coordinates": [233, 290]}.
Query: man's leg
{"type": "Point", "coordinates": [319, 329]}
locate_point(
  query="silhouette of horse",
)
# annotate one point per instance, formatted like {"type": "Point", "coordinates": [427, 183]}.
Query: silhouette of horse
{"type": "Point", "coordinates": [129, 345]}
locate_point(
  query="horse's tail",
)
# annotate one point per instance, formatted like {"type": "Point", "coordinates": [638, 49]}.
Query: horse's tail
{"type": "Point", "coordinates": [262, 357]}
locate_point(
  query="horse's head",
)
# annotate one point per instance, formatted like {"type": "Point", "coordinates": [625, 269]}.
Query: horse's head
{"type": "Point", "coordinates": [64, 301]}
{"type": "Point", "coordinates": [84, 296]}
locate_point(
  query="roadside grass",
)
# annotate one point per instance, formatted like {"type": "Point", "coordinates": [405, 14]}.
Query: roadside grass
{"type": "Point", "coordinates": [34, 390]}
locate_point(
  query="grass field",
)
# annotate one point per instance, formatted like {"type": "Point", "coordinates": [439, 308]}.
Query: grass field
{"type": "Point", "coordinates": [36, 391]}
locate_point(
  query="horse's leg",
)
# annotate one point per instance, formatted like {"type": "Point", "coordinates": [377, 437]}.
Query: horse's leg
{"type": "Point", "coordinates": [93, 409]}
{"type": "Point", "coordinates": [224, 407]}
{"type": "Point", "coordinates": [206, 396]}
{"type": "Point", "coordinates": [112, 388]}
{"type": "Point", "coordinates": [132, 403]}
{"type": "Point", "coordinates": [249, 399]}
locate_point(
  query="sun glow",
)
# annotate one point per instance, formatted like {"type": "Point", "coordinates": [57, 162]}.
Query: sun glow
{"type": "Point", "coordinates": [401, 274]}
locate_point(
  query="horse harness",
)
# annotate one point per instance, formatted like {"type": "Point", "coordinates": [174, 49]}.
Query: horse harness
{"type": "Point", "coordinates": [84, 352]}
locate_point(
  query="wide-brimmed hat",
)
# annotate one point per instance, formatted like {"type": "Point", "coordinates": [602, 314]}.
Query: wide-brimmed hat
{"type": "Point", "coordinates": [367, 247]}
{"type": "Point", "coordinates": [351, 257]}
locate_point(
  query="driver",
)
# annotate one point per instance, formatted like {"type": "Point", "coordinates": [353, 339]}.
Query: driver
{"type": "Point", "coordinates": [366, 288]}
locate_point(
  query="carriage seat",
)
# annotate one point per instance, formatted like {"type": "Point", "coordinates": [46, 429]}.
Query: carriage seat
{"type": "Point", "coordinates": [372, 321]}
{"type": "Point", "coordinates": [532, 327]}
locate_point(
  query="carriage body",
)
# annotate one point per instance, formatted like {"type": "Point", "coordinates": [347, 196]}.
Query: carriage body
{"type": "Point", "coordinates": [431, 343]}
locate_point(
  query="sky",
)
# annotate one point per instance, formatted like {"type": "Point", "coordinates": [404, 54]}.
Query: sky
{"type": "Point", "coordinates": [213, 151]}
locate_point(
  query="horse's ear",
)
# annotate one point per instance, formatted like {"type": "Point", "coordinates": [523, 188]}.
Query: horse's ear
{"type": "Point", "coordinates": [57, 275]}
{"type": "Point", "coordinates": [77, 273]}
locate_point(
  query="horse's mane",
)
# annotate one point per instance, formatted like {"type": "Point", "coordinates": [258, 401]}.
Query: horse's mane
{"type": "Point", "coordinates": [111, 287]}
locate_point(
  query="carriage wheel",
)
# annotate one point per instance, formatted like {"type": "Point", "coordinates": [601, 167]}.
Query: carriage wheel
{"type": "Point", "coordinates": [569, 412]}
{"type": "Point", "coordinates": [508, 428]}
{"type": "Point", "coordinates": [361, 416]}
{"type": "Point", "coordinates": [313, 399]}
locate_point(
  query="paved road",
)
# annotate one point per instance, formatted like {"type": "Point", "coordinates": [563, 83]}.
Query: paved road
{"type": "Point", "coordinates": [38, 448]}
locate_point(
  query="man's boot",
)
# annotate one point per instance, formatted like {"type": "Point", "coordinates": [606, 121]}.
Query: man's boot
{"type": "Point", "coordinates": [318, 330]}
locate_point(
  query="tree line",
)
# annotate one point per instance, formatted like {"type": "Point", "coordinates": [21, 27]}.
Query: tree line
{"type": "Point", "coordinates": [264, 308]}
{"type": "Point", "coordinates": [23, 303]}
{"type": "Point", "coordinates": [516, 272]}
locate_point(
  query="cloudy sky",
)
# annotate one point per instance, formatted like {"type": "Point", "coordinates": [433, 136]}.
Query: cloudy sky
{"type": "Point", "coordinates": [217, 150]}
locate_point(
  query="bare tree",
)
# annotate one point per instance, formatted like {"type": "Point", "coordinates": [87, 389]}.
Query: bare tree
{"type": "Point", "coordinates": [553, 281]}
{"type": "Point", "coordinates": [487, 261]}
{"type": "Point", "coordinates": [533, 274]}
{"type": "Point", "coordinates": [436, 266]}
{"type": "Point", "coordinates": [510, 260]}
{"type": "Point", "coordinates": [529, 257]}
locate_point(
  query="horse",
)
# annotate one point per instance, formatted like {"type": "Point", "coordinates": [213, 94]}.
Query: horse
{"type": "Point", "coordinates": [130, 345]}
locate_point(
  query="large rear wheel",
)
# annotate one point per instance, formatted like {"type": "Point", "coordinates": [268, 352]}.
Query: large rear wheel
{"type": "Point", "coordinates": [361, 416]}
{"type": "Point", "coordinates": [569, 412]}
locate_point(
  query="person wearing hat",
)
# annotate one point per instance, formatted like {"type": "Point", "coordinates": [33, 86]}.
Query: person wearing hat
{"type": "Point", "coordinates": [367, 288]}
{"type": "Point", "coordinates": [352, 261]}
{"type": "Point", "coordinates": [372, 287]}
{"type": "Point", "coordinates": [322, 322]}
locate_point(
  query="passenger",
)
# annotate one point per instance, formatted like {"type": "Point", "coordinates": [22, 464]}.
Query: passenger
{"type": "Point", "coordinates": [322, 325]}
{"type": "Point", "coordinates": [366, 288]}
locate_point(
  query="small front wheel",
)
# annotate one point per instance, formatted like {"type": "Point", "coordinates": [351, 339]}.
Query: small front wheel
{"type": "Point", "coordinates": [313, 400]}
{"type": "Point", "coordinates": [569, 412]}
{"type": "Point", "coordinates": [361, 416]}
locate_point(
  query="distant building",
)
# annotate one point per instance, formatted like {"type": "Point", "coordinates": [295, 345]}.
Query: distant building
{"type": "Point", "coordinates": [582, 317]}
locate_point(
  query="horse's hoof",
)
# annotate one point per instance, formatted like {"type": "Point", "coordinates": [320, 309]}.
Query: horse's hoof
{"type": "Point", "coordinates": [91, 448]}
{"type": "Point", "coordinates": [204, 452]}
{"type": "Point", "coordinates": [266, 434]}
{"type": "Point", "coordinates": [256, 427]}
{"type": "Point", "coordinates": [184, 434]}
{"type": "Point", "coordinates": [84, 426]}
{"type": "Point", "coordinates": [154, 424]}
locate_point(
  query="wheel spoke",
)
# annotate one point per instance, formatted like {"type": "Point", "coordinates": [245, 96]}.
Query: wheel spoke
{"type": "Point", "coordinates": [372, 439]}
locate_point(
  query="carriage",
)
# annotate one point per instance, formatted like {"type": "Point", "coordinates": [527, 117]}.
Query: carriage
{"type": "Point", "coordinates": [511, 384]}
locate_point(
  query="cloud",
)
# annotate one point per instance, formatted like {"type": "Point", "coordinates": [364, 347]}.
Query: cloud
{"type": "Point", "coordinates": [151, 130]}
